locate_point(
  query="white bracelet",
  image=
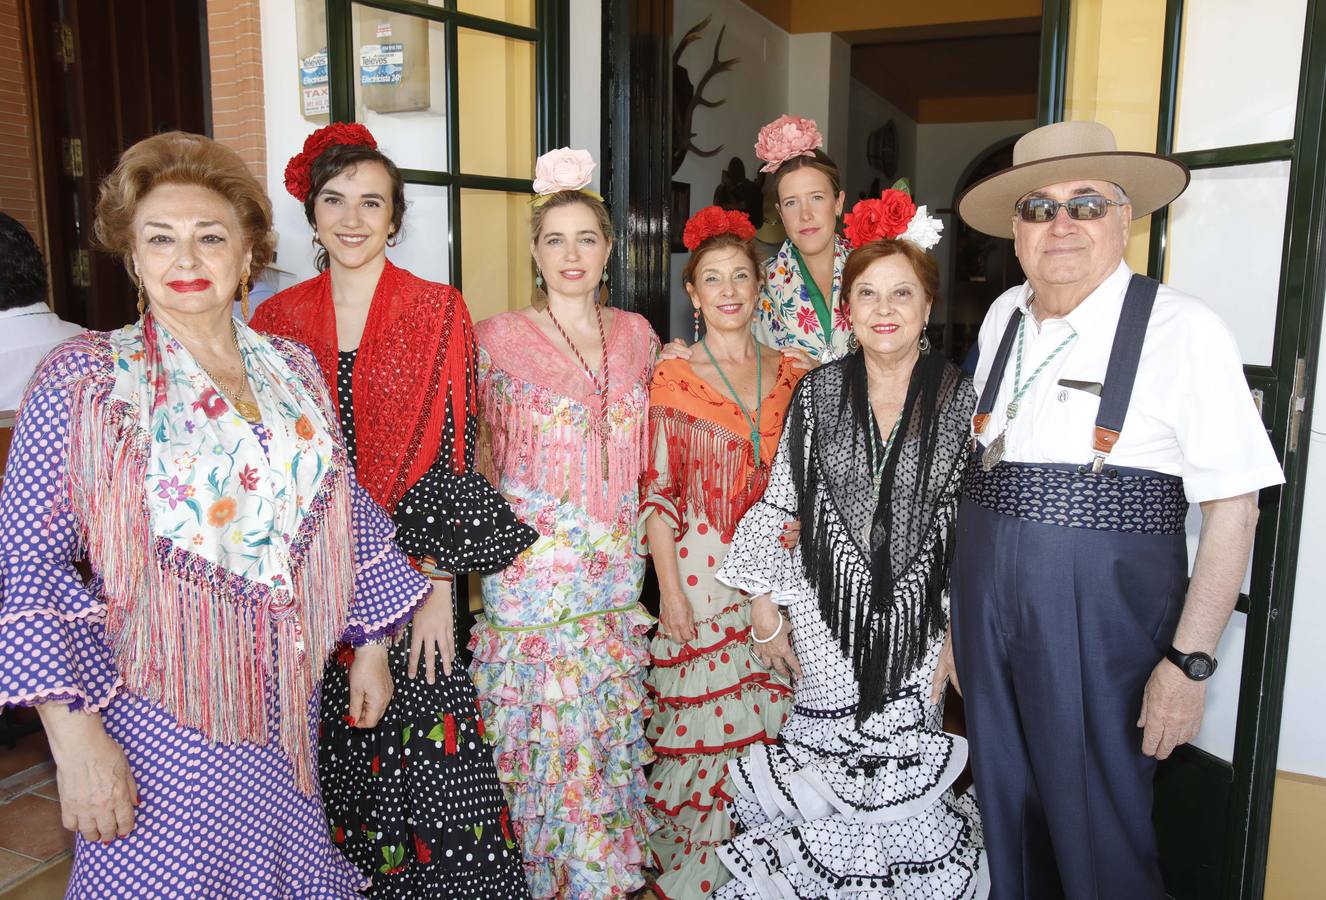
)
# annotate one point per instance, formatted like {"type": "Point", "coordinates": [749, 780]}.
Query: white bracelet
{"type": "Point", "coordinates": [777, 631]}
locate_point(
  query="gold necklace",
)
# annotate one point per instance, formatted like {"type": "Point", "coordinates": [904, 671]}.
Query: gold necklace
{"type": "Point", "coordinates": [246, 408]}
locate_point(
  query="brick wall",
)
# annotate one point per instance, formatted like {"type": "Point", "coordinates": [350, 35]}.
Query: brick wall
{"type": "Point", "coordinates": [18, 152]}
{"type": "Point", "coordinates": [234, 40]}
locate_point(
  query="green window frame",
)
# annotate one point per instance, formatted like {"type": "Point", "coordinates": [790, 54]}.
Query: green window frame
{"type": "Point", "coordinates": [551, 102]}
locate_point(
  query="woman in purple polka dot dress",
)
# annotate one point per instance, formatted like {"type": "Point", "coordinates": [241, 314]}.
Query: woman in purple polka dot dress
{"type": "Point", "coordinates": [198, 469]}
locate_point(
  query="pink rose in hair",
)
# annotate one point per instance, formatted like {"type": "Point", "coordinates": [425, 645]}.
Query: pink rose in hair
{"type": "Point", "coordinates": [786, 137]}
{"type": "Point", "coordinates": [562, 169]}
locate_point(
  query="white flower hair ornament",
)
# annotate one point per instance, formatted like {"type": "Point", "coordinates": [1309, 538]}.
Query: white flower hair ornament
{"type": "Point", "coordinates": [563, 169]}
{"type": "Point", "coordinates": [893, 215]}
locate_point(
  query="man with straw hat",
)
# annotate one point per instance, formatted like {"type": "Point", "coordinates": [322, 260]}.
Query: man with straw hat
{"type": "Point", "coordinates": [1108, 403]}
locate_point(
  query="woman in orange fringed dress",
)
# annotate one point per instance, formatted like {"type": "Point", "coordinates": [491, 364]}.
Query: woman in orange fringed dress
{"type": "Point", "coordinates": [715, 420]}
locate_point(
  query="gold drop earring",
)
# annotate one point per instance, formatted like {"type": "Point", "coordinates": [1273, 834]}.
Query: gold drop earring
{"type": "Point", "coordinates": [244, 296]}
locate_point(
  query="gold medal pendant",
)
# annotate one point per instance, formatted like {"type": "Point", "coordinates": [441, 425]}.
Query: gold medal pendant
{"type": "Point", "coordinates": [249, 410]}
{"type": "Point", "coordinates": [993, 453]}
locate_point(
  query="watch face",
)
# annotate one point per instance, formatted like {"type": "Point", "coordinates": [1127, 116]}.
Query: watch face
{"type": "Point", "coordinates": [1199, 668]}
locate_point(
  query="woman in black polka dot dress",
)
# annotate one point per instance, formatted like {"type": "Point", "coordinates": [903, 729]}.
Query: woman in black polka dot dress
{"type": "Point", "coordinates": [415, 802]}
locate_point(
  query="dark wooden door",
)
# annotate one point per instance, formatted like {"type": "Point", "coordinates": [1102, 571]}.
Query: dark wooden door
{"type": "Point", "coordinates": [107, 74]}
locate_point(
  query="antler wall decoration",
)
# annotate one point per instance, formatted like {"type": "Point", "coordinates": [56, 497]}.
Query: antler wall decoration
{"type": "Point", "coordinates": [686, 98]}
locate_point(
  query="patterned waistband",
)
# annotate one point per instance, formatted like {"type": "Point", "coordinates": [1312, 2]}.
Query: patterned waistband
{"type": "Point", "coordinates": [1135, 501]}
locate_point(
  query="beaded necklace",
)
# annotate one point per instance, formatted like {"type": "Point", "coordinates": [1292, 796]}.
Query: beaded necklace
{"type": "Point", "coordinates": [600, 386]}
{"type": "Point", "coordinates": [754, 423]}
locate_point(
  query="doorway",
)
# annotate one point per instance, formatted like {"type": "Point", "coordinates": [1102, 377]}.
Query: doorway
{"type": "Point", "coordinates": [106, 73]}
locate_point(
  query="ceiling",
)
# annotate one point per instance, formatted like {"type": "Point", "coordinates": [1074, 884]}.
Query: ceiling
{"type": "Point", "coordinates": [962, 79]}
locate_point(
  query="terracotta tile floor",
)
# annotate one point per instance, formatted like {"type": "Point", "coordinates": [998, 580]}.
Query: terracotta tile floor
{"type": "Point", "coordinates": [34, 847]}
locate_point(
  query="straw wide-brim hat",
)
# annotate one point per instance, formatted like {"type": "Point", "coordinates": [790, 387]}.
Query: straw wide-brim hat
{"type": "Point", "coordinates": [1070, 151]}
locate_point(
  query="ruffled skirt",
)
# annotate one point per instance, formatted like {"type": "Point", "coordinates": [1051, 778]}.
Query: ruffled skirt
{"type": "Point", "coordinates": [835, 810]}
{"type": "Point", "coordinates": [567, 705]}
{"type": "Point", "coordinates": [713, 703]}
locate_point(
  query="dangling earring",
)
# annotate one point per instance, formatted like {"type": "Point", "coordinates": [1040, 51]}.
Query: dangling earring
{"type": "Point", "coordinates": [142, 299]}
{"type": "Point", "coordinates": [852, 343]}
{"type": "Point", "coordinates": [244, 295]}
{"type": "Point", "coordinates": [604, 279]}
{"type": "Point", "coordinates": [924, 342]}
{"type": "Point", "coordinates": [538, 280]}
{"type": "Point", "coordinates": [696, 316]}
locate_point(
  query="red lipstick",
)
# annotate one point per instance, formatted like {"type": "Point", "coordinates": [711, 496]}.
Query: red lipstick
{"type": "Point", "coordinates": [189, 287]}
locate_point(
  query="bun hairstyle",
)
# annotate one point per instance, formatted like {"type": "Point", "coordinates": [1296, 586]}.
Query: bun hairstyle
{"type": "Point", "coordinates": [789, 143]}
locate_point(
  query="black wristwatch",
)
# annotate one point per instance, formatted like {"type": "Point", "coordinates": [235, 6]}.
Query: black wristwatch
{"type": "Point", "coordinates": [1197, 666]}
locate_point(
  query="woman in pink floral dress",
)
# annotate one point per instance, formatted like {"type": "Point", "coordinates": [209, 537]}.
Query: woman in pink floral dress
{"type": "Point", "coordinates": [559, 654]}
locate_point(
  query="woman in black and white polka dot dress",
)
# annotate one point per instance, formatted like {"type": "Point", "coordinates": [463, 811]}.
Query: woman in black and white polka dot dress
{"type": "Point", "coordinates": [414, 803]}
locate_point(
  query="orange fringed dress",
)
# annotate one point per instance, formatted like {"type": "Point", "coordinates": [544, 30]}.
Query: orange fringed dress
{"type": "Point", "coordinates": [713, 700]}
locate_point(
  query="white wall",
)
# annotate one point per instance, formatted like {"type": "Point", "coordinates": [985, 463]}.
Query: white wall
{"type": "Point", "coordinates": [818, 85]}
{"type": "Point", "coordinates": [423, 251]}
{"type": "Point", "coordinates": [867, 111]}
{"type": "Point", "coordinates": [756, 90]}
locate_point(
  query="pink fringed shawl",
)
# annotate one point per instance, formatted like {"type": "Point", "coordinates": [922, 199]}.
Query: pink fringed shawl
{"type": "Point", "coordinates": [199, 639]}
{"type": "Point", "coordinates": [537, 406]}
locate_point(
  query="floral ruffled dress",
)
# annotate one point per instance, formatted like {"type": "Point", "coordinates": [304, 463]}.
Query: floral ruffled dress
{"type": "Point", "coordinates": [560, 652]}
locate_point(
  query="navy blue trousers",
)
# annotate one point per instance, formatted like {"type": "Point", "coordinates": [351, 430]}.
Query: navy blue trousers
{"type": "Point", "coordinates": [1056, 631]}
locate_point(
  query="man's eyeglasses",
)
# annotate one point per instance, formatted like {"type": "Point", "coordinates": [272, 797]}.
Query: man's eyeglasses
{"type": "Point", "coordinates": [1083, 208]}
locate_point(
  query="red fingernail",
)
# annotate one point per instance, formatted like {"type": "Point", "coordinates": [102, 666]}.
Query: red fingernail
{"type": "Point", "coordinates": [353, 721]}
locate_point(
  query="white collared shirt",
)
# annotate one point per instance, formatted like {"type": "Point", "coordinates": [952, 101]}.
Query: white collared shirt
{"type": "Point", "coordinates": [27, 334]}
{"type": "Point", "coordinates": [1191, 412]}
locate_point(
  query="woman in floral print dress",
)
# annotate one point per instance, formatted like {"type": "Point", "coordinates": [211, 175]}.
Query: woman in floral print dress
{"type": "Point", "coordinates": [559, 654]}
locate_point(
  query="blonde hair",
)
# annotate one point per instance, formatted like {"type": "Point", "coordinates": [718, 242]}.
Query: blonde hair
{"type": "Point", "coordinates": [177, 157]}
{"type": "Point", "coordinates": [549, 202]}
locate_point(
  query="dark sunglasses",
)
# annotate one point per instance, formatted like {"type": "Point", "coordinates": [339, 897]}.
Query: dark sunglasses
{"type": "Point", "coordinates": [1083, 208]}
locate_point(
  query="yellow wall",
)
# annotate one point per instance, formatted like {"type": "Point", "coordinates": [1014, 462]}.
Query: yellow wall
{"type": "Point", "coordinates": [1114, 58]}
{"type": "Point", "coordinates": [1296, 869]}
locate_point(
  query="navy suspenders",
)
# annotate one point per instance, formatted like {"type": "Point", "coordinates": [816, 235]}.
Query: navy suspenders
{"type": "Point", "coordinates": [1120, 374]}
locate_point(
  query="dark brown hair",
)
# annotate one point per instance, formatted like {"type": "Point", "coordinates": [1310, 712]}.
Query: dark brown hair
{"type": "Point", "coordinates": [718, 242]}
{"type": "Point", "coordinates": [335, 160]}
{"type": "Point", "coordinates": [177, 157]}
{"type": "Point", "coordinates": [819, 162]}
{"type": "Point", "coordinates": [860, 259]}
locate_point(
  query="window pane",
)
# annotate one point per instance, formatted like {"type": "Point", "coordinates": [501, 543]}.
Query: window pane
{"type": "Point", "coordinates": [401, 86]}
{"type": "Point", "coordinates": [426, 247]}
{"type": "Point", "coordinates": [497, 85]}
{"type": "Point", "coordinates": [1233, 213]}
{"type": "Point", "coordinates": [311, 41]}
{"type": "Point", "coordinates": [517, 12]}
{"type": "Point", "coordinates": [1115, 49]}
{"type": "Point", "coordinates": [494, 251]}
{"type": "Point", "coordinates": [1238, 75]}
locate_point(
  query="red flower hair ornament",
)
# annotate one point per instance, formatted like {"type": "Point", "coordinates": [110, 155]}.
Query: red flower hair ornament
{"type": "Point", "coordinates": [714, 220]}
{"type": "Point", "coordinates": [893, 215]}
{"type": "Point", "coordinates": [297, 170]}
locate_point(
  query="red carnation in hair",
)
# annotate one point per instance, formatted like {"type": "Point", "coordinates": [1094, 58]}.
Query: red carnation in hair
{"type": "Point", "coordinates": [874, 220]}
{"type": "Point", "coordinates": [713, 221]}
{"type": "Point", "coordinates": [297, 170]}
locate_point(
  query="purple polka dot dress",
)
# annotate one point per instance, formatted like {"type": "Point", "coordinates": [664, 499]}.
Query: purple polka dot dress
{"type": "Point", "coordinates": [215, 820]}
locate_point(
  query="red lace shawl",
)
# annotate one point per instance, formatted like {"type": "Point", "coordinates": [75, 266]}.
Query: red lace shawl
{"type": "Point", "coordinates": [415, 366]}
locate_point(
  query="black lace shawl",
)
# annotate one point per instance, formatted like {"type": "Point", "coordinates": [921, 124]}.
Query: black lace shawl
{"type": "Point", "coordinates": [892, 552]}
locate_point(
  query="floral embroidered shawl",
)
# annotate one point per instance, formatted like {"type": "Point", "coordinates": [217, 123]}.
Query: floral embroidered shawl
{"type": "Point", "coordinates": [212, 547]}
{"type": "Point", "coordinates": [786, 317]}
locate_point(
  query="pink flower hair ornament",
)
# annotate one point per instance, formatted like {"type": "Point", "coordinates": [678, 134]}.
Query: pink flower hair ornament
{"type": "Point", "coordinates": [563, 169]}
{"type": "Point", "coordinates": [714, 220]}
{"type": "Point", "coordinates": [787, 137]}
{"type": "Point", "coordinates": [892, 216]}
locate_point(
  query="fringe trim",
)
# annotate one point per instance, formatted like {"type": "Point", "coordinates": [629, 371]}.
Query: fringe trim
{"type": "Point", "coordinates": [712, 470]}
{"type": "Point", "coordinates": [564, 459]}
{"type": "Point", "coordinates": [191, 636]}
